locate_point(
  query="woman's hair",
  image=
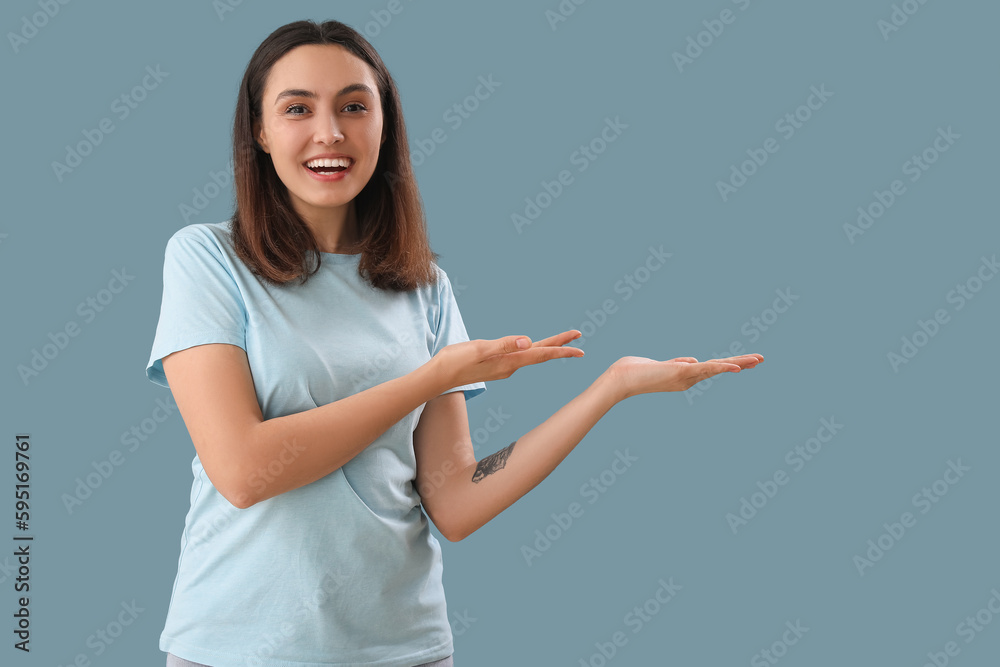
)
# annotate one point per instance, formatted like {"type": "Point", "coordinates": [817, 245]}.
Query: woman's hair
{"type": "Point", "coordinates": [268, 234]}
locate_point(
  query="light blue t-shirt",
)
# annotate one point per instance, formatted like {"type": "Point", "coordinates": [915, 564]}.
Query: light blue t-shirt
{"type": "Point", "coordinates": [342, 571]}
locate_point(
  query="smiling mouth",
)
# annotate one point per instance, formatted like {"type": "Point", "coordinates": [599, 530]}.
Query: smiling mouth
{"type": "Point", "coordinates": [329, 165]}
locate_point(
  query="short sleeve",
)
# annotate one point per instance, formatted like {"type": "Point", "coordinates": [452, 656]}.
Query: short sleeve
{"type": "Point", "coordinates": [451, 329]}
{"type": "Point", "coordinates": [202, 302]}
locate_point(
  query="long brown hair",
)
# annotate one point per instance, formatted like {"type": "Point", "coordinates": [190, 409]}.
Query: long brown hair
{"type": "Point", "coordinates": [271, 238]}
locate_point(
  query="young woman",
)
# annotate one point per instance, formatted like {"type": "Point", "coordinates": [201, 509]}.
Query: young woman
{"type": "Point", "coordinates": [321, 365]}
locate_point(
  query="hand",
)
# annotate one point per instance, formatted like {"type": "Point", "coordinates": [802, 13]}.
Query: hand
{"type": "Point", "coordinates": [485, 360]}
{"type": "Point", "coordinates": [638, 375]}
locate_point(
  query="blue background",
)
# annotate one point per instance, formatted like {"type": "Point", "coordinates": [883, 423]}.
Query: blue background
{"type": "Point", "coordinates": [698, 454]}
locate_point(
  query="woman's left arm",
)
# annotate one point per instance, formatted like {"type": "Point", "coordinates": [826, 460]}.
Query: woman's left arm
{"type": "Point", "coordinates": [461, 494]}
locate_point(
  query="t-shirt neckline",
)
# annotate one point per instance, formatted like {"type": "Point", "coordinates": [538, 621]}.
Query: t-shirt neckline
{"type": "Point", "coordinates": [339, 257]}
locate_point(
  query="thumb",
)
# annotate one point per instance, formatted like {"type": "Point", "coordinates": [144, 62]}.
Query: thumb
{"type": "Point", "coordinates": [514, 343]}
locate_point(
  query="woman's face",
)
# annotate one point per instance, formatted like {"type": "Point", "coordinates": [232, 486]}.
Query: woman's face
{"type": "Point", "coordinates": [321, 100]}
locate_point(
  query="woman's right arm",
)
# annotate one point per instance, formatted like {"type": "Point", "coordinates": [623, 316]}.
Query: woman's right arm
{"type": "Point", "coordinates": [250, 459]}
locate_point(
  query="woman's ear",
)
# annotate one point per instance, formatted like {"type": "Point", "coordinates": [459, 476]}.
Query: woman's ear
{"type": "Point", "coordinates": [258, 138]}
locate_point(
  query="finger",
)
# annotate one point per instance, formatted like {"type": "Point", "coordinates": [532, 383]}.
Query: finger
{"type": "Point", "coordinates": [538, 355]}
{"type": "Point", "coordinates": [747, 361]}
{"type": "Point", "coordinates": [690, 360]}
{"type": "Point", "coordinates": [559, 339]}
{"type": "Point", "coordinates": [743, 360]}
{"type": "Point", "coordinates": [756, 358]}
{"type": "Point", "coordinates": [710, 368]}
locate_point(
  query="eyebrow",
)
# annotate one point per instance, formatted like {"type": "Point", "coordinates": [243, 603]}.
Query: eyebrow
{"type": "Point", "coordinates": [299, 92]}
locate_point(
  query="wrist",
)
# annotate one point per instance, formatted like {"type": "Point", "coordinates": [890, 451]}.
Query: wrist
{"type": "Point", "coordinates": [610, 384]}
{"type": "Point", "coordinates": [435, 377]}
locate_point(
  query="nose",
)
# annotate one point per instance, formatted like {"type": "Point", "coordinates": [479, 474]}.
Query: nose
{"type": "Point", "coordinates": [328, 131]}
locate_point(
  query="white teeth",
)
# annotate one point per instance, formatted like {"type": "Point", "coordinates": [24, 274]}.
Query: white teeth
{"type": "Point", "coordinates": [330, 162]}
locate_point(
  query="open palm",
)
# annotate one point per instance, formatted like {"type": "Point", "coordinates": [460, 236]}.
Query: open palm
{"type": "Point", "coordinates": [639, 375]}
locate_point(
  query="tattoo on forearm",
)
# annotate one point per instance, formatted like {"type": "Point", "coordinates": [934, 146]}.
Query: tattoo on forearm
{"type": "Point", "coordinates": [493, 462]}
